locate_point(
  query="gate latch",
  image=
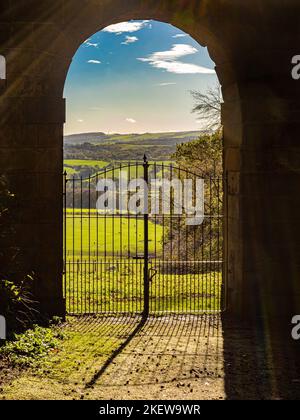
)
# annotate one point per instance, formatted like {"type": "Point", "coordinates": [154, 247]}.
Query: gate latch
{"type": "Point", "coordinates": [152, 273]}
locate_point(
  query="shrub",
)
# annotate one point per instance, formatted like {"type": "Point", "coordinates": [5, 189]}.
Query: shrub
{"type": "Point", "coordinates": [16, 303]}
{"type": "Point", "coordinates": [29, 348]}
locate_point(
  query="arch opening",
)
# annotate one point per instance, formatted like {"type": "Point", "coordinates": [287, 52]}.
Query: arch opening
{"type": "Point", "coordinates": [128, 96]}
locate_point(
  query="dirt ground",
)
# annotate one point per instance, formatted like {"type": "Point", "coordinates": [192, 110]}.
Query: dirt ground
{"type": "Point", "coordinates": [165, 358]}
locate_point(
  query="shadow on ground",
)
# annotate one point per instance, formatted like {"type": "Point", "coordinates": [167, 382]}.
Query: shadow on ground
{"type": "Point", "coordinates": [176, 357]}
{"type": "Point", "coordinates": [164, 350]}
{"type": "Point", "coordinates": [260, 361]}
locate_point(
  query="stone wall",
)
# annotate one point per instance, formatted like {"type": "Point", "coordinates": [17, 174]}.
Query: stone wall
{"type": "Point", "coordinates": [252, 43]}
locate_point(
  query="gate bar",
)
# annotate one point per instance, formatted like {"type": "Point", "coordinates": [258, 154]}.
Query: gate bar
{"type": "Point", "coordinates": [146, 243]}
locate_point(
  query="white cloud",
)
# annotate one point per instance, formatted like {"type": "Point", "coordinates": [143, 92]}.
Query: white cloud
{"type": "Point", "coordinates": [91, 44]}
{"type": "Point", "coordinates": [180, 36]}
{"type": "Point", "coordinates": [130, 40]}
{"type": "Point", "coordinates": [178, 67]}
{"type": "Point", "coordinates": [177, 51]}
{"type": "Point", "coordinates": [129, 27]}
{"type": "Point", "coordinates": [131, 120]}
{"type": "Point", "coordinates": [168, 60]}
{"type": "Point", "coordinates": [166, 84]}
{"type": "Point", "coordinates": [94, 62]}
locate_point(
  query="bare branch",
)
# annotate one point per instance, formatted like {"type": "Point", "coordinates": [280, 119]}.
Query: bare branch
{"type": "Point", "coordinates": [208, 107]}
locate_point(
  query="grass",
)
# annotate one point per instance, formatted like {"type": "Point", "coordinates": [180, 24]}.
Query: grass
{"type": "Point", "coordinates": [56, 362]}
{"type": "Point", "coordinates": [92, 163]}
{"type": "Point", "coordinates": [67, 368]}
{"type": "Point", "coordinates": [102, 236]}
{"type": "Point", "coordinates": [119, 288]}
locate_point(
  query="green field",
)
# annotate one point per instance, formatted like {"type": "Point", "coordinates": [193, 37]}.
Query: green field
{"type": "Point", "coordinates": [91, 167]}
{"type": "Point", "coordinates": [108, 236]}
{"type": "Point", "coordinates": [75, 167]}
{"type": "Point", "coordinates": [91, 163]}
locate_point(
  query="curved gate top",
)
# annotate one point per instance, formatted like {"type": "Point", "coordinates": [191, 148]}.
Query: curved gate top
{"type": "Point", "coordinates": [144, 238]}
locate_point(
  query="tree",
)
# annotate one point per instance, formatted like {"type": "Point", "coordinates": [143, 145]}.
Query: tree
{"type": "Point", "coordinates": [203, 156]}
{"type": "Point", "coordinates": [204, 159]}
{"type": "Point", "coordinates": [208, 107]}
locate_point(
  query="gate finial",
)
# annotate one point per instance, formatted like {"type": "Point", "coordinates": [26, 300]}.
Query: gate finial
{"type": "Point", "coordinates": [145, 159]}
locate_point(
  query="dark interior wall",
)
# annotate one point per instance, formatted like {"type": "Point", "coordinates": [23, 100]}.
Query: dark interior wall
{"type": "Point", "coordinates": [252, 43]}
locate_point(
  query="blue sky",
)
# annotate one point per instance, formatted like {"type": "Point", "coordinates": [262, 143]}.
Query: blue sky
{"type": "Point", "coordinates": [136, 77]}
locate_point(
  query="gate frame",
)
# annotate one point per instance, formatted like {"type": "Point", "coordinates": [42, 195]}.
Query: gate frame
{"type": "Point", "coordinates": [146, 273]}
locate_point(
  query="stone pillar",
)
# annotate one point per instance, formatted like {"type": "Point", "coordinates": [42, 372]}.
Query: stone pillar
{"type": "Point", "coordinates": [262, 160]}
{"type": "Point", "coordinates": [31, 156]}
{"type": "Point", "coordinates": [32, 115]}
{"type": "Point", "coordinates": [233, 243]}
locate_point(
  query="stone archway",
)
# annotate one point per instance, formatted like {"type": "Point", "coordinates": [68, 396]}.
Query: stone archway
{"type": "Point", "coordinates": [82, 29]}
{"type": "Point", "coordinates": [39, 41]}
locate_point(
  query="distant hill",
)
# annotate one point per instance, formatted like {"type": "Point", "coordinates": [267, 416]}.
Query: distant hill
{"type": "Point", "coordinates": [118, 147]}
{"type": "Point", "coordinates": [75, 139]}
{"type": "Point", "coordinates": [146, 138]}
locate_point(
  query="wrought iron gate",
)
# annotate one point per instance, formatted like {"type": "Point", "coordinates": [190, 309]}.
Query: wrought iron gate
{"type": "Point", "coordinates": [120, 260]}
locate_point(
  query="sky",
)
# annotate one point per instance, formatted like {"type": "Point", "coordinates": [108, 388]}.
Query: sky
{"type": "Point", "coordinates": [136, 77]}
